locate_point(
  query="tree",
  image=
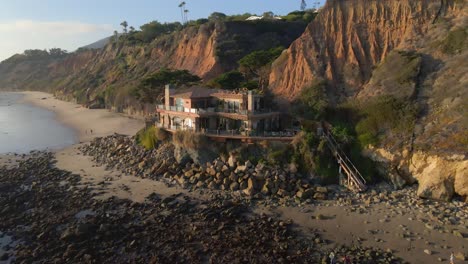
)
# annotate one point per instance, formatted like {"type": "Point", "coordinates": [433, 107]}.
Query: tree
{"type": "Point", "coordinates": [257, 64]}
{"type": "Point", "coordinates": [268, 15]}
{"type": "Point", "coordinates": [132, 29]}
{"type": "Point", "coordinates": [217, 16]}
{"type": "Point", "coordinates": [154, 29]}
{"type": "Point", "coordinates": [186, 15]}
{"type": "Point", "coordinates": [182, 9]}
{"type": "Point", "coordinates": [313, 101]}
{"type": "Point", "coordinates": [124, 24]}
{"type": "Point", "coordinates": [229, 80]}
{"type": "Point", "coordinates": [57, 52]}
{"type": "Point", "coordinates": [251, 63]}
{"type": "Point", "coordinates": [35, 53]}
{"type": "Point", "coordinates": [303, 5]}
{"type": "Point", "coordinates": [116, 36]}
{"type": "Point", "coordinates": [151, 87]}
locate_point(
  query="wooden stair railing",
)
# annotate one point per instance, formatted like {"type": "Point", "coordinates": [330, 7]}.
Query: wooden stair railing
{"type": "Point", "coordinates": [355, 181]}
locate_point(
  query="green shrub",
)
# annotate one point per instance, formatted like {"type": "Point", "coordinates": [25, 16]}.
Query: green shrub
{"type": "Point", "coordinates": [385, 114]}
{"type": "Point", "coordinates": [313, 101]}
{"type": "Point", "coordinates": [455, 41]}
{"type": "Point", "coordinates": [147, 137]}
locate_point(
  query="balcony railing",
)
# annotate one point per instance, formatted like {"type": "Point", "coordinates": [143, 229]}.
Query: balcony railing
{"type": "Point", "coordinates": [230, 132]}
{"type": "Point", "coordinates": [212, 110]}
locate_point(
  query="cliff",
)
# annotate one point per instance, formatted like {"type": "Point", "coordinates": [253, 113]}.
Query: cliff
{"type": "Point", "coordinates": [205, 50]}
{"type": "Point", "coordinates": [349, 38]}
{"type": "Point", "coordinates": [412, 50]}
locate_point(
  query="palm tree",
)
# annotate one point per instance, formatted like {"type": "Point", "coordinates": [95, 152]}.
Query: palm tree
{"type": "Point", "coordinates": [303, 5]}
{"type": "Point", "coordinates": [182, 10]}
{"type": "Point", "coordinates": [186, 15]}
{"type": "Point", "coordinates": [116, 36]}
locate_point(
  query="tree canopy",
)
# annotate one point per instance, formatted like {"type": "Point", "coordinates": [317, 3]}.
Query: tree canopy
{"type": "Point", "coordinates": [252, 63]}
{"type": "Point", "coordinates": [229, 80]}
{"type": "Point", "coordinates": [151, 87]}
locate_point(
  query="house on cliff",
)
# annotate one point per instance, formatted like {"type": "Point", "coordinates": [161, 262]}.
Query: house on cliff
{"type": "Point", "coordinates": [221, 114]}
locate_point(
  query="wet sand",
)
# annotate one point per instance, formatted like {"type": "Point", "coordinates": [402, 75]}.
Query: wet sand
{"type": "Point", "coordinates": [101, 122]}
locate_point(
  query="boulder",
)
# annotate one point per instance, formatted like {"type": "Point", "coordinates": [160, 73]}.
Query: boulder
{"type": "Point", "coordinates": [438, 189]}
{"type": "Point", "coordinates": [212, 185]}
{"type": "Point", "coordinates": [305, 194]}
{"type": "Point", "coordinates": [321, 189]}
{"type": "Point", "coordinates": [211, 171]}
{"type": "Point", "coordinates": [397, 181]}
{"type": "Point", "coordinates": [460, 256]}
{"type": "Point", "coordinates": [320, 196]}
{"type": "Point", "coordinates": [234, 186]}
{"type": "Point", "coordinates": [232, 161]}
{"type": "Point", "coordinates": [233, 177]}
{"type": "Point", "coordinates": [240, 168]}
{"type": "Point", "coordinates": [439, 178]}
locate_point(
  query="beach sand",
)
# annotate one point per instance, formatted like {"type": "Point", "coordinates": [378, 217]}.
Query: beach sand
{"type": "Point", "coordinates": [339, 225]}
{"type": "Point", "coordinates": [101, 122]}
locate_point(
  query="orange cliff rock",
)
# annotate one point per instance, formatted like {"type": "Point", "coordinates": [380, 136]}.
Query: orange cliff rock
{"type": "Point", "coordinates": [347, 39]}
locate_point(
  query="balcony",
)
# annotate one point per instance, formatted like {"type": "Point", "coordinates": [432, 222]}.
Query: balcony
{"type": "Point", "coordinates": [231, 133]}
{"type": "Point", "coordinates": [178, 109]}
{"type": "Point", "coordinates": [213, 110]}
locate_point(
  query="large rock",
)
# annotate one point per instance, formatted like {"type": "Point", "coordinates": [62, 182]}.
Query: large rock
{"type": "Point", "coordinates": [250, 190]}
{"type": "Point", "coordinates": [232, 161]}
{"type": "Point", "coordinates": [440, 178]}
{"type": "Point", "coordinates": [305, 194]}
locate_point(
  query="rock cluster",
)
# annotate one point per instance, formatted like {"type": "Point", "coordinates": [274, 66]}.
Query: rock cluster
{"type": "Point", "coordinates": [55, 220]}
{"type": "Point", "coordinates": [250, 180]}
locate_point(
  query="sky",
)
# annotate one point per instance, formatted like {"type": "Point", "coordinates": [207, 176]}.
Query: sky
{"type": "Point", "coordinates": [70, 24]}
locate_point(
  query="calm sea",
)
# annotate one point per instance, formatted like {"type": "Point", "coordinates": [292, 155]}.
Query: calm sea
{"type": "Point", "coordinates": [24, 127]}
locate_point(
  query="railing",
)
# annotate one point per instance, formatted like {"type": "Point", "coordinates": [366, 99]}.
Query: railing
{"type": "Point", "coordinates": [178, 109]}
{"type": "Point", "coordinates": [229, 132]}
{"type": "Point", "coordinates": [212, 110]}
{"type": "Point", "coordinates": [354, 176]}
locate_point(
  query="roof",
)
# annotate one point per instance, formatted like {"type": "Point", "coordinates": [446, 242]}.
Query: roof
{"type": "Point", "coordinates": [195, 92]}
{"type": "Point", "coordinates": [254, 18]}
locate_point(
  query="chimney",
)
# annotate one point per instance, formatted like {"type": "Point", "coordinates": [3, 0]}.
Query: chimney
{"type": "Point", "coordinates": [167, 95]}
{"type": "Point", "coordinates": [250, 102]}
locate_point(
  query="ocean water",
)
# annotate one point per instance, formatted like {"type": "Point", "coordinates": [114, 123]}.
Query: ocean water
{"type": "Point", "coordinates": [24, 127]}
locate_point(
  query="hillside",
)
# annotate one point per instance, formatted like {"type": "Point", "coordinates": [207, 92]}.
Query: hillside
{"type": "Point", "coordinates": [404, 62]}
{"type": "Point", "coordinates": [206, 50]}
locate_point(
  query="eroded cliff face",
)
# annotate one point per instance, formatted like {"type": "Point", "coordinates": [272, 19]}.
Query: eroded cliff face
{"type": "Point", "coordinates": [206, 50]}
{"type": "Point", "coordinates": [413, 50]}
{"type": "Point", "coordinates": [345, 42]}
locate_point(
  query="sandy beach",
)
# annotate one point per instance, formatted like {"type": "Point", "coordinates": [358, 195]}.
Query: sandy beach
{"type": "Point", "coordinates": [403, 231]}
{"type": "Point", "coordinates": [88, 123]}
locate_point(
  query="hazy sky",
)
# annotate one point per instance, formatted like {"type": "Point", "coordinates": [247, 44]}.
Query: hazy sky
{"type": "Point", "coordinates": [69, 24]}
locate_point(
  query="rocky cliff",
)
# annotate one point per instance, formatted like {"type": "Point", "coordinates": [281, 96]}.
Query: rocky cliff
{"type": "Point", "coordinates": [349, 38]}
{"type": "Point", "coordinates": [205, 50]}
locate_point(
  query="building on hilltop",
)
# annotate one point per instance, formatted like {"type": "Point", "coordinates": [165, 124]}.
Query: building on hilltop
{"type": "Point", "coordinates": [220, 113]}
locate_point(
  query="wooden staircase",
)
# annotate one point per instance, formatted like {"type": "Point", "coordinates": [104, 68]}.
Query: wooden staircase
{"type": "Point", "coordinates": [354, 180]}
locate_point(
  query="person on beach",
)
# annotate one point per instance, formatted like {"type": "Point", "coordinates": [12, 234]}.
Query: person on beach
{"type": "Point", "coordinates": [332, 257]}
{"type": "Point", "coordinates": [452, 258]}
{"type": "Point", "coordinates": [91, 131]}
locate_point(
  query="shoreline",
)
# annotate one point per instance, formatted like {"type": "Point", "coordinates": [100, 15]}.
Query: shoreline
{"type": "Point", "coordinates": [101, 122]}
